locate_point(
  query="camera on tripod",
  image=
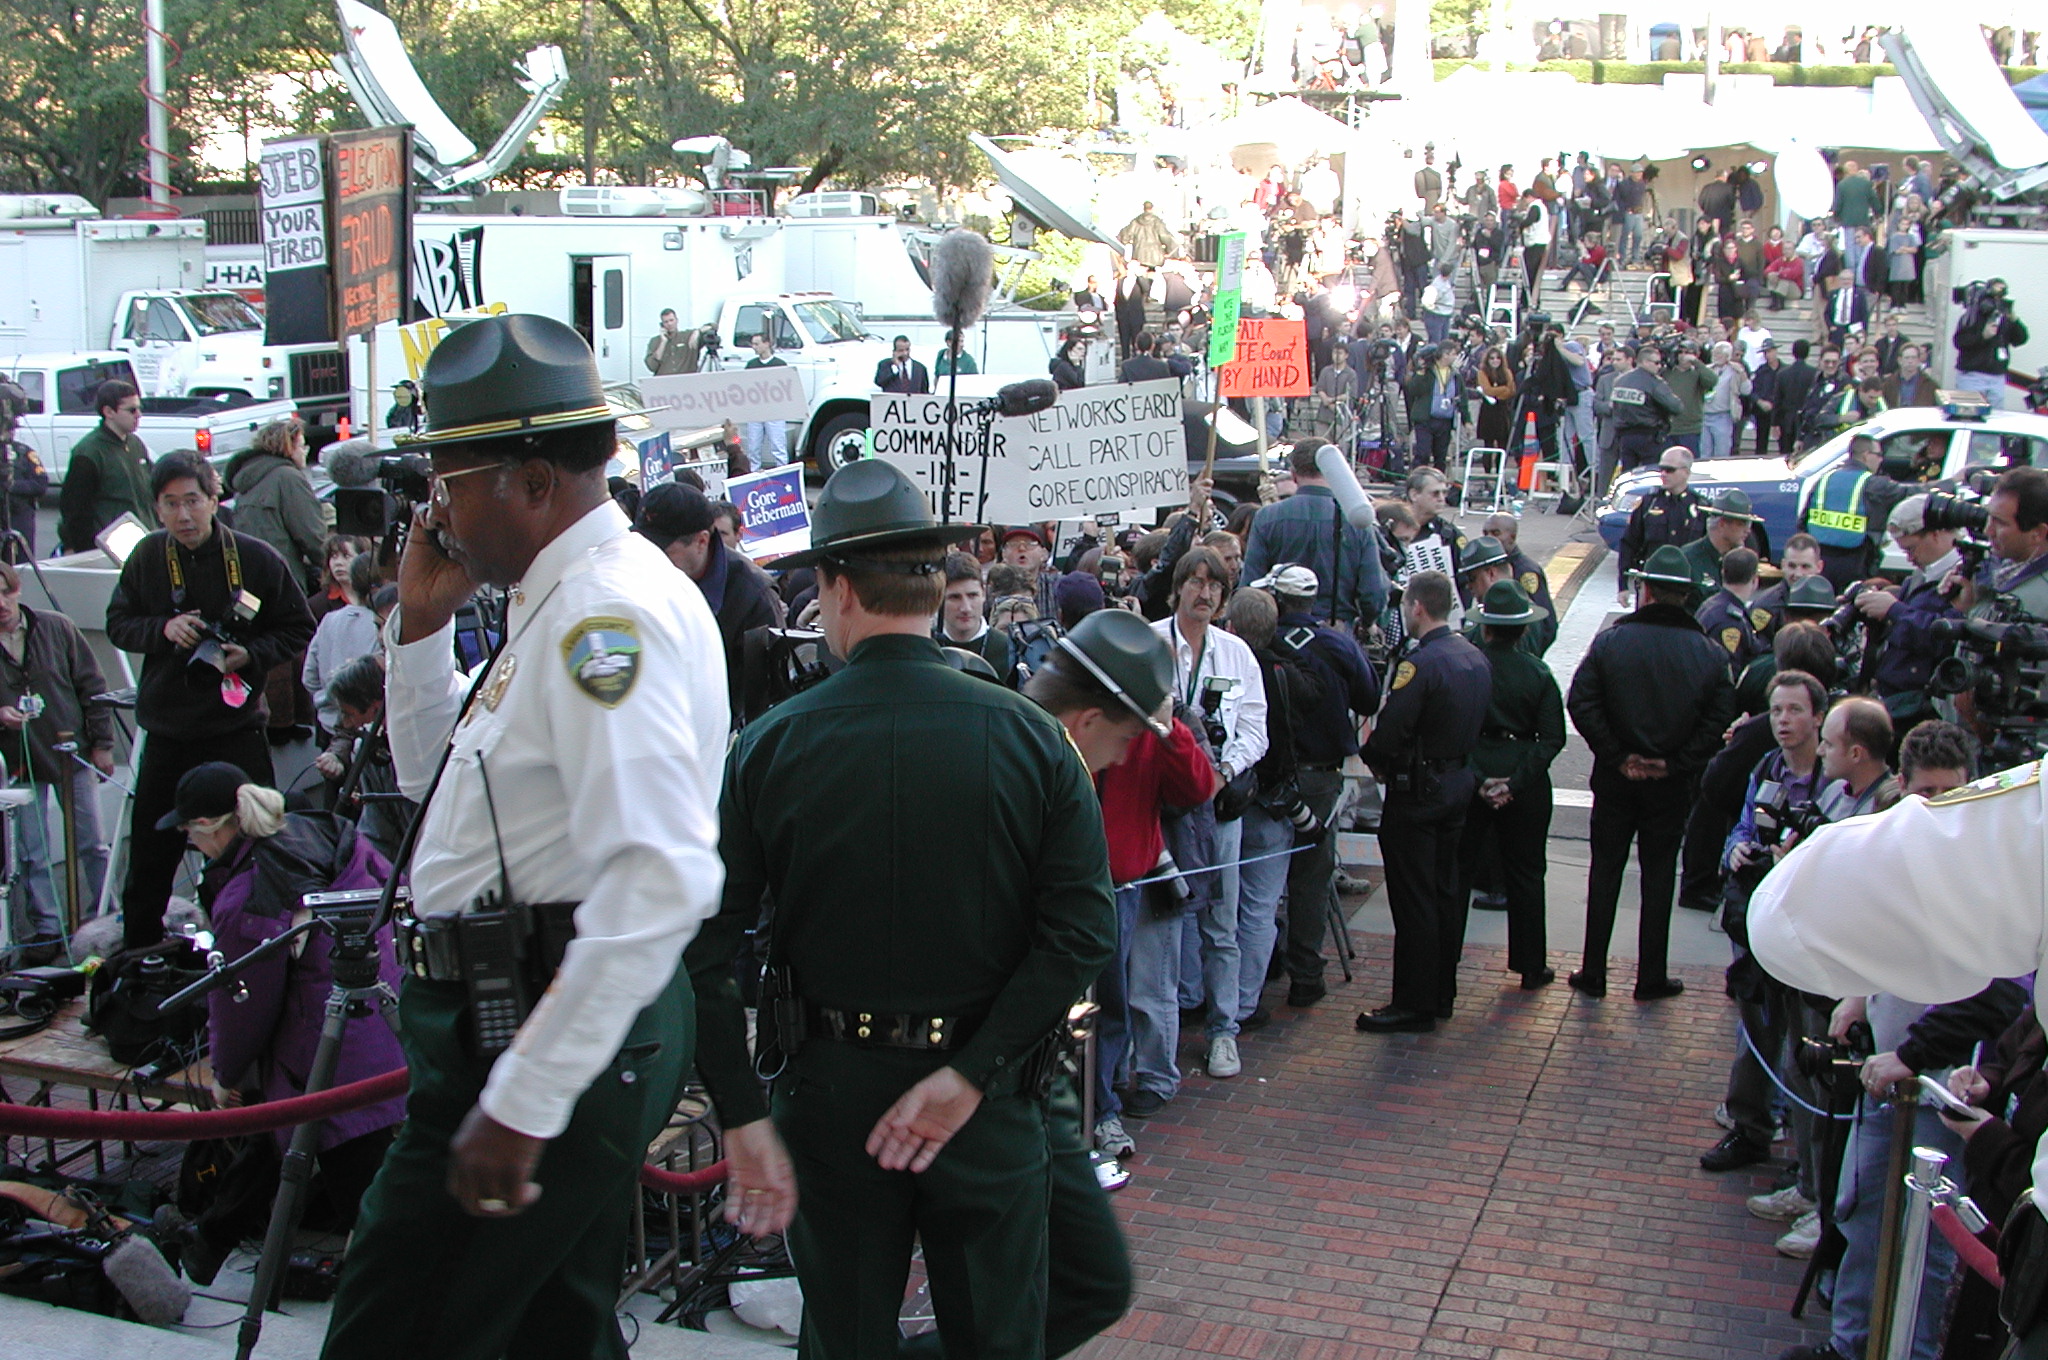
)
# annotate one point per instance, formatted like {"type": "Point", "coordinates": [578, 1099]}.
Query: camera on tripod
{"type": "Point", "coordinates": [216, 638]}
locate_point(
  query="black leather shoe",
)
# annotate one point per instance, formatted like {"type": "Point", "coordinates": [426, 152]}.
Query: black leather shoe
{"type": "Point", "coordinates": [1542, 977]}
{"type": "Point", "coordinates": [1258, 1019]}
{"type": "Point", "coordinates": [1489, 901]}
{"type": "Point", "coordinates": [1735, 1150]}
{"type": "Point", "coordinates": [1306, 994]}
{"type": "Point", "coordinates": [1446, 1011]}
{"type": "Point", "coordinates": [1394, 1020]}
{"type": "Point", "coordinates": [1660, 990]}
{"type": "Point", "coordinates": [1591, 984]}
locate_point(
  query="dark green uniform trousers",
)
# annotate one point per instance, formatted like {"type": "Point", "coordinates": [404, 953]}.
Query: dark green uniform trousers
{"type": "Point", "coordinates": [1088, 1279]}
{"type": "Point", "coordinates": [424, 1279]}
{"type": "Point", "coordinates": [980, 1211]}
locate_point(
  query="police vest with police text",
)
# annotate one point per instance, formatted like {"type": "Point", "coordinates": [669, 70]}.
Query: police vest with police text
{"type": "Point", "coordinates": [1836, 518]}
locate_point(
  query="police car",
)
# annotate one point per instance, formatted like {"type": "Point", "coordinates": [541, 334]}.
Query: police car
{"type": "Point", "coordinates": [1920, 443]}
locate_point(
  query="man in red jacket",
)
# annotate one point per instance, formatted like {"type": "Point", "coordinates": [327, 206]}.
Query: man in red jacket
{"type": "Point", "coordinates": [1101, 677]}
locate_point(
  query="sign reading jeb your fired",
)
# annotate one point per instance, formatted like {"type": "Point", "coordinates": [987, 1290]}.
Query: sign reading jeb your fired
{"type": "Point", "coordinates": [1098, 449]}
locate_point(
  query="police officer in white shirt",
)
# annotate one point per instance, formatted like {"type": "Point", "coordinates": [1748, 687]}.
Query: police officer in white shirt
{"type": "Point", "coordinates": [579, 800]}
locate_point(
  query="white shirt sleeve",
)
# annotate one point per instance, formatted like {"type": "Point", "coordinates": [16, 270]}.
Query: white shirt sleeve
{"type": "Point", "coordinates": [641, 788]}
{"type": "Point", "coordinates": [422, 694]}
{"type": "Point", "coordinates": [1928, 902]}
{"type": "Point", "coordinates": [1248, 731]}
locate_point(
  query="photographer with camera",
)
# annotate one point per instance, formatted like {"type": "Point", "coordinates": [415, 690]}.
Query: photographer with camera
{"type": "Point", "coordinates": [1985, 338]}
{"type": "Point", "coordinates": [2014, 579]}
{"type": "Point", "coordinates": [1908, 613]}
{"type": "Point", "coordinates": [1324, 729]}
{"type": "Point", "coordinates": [210, 611]}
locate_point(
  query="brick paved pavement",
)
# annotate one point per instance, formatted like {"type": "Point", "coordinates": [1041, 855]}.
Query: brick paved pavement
{"type": "Point", "coordinates": [1522, 1183]}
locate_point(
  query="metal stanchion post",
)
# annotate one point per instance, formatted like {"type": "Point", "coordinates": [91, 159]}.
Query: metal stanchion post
{"type": "Point", "coordinates": [66, 799]}
{"type": "Point", "coordinates": [1920, 1189]}
{"type": "Point", "coordinates": [1109, 1172]}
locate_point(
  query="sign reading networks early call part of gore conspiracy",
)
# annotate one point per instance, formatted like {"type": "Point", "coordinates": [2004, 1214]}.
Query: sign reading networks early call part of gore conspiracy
{"type": "Point", "coordinates": [1272, 360]}
{"type": "Point", "coordinates": [1109, 448]}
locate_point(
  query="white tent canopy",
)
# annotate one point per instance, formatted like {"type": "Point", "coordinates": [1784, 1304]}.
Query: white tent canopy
{"type": "Point", "coordinates": [1287, 123]}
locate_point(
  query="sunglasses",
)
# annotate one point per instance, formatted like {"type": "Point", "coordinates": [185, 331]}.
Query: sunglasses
{"type": "Point", "coordinates": [1666, 467]}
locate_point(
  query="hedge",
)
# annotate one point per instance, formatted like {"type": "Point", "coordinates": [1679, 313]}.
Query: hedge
{"type": "Point", "coordinates": [1653, 73]}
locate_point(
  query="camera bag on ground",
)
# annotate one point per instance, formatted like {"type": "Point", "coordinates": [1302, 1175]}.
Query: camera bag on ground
{"type": "Point", "coordinates": [121, 1004]}
{"type": "Point", "coordinates": [88, 1245]}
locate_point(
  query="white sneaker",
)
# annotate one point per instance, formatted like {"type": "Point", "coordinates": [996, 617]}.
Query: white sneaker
{"type": "Point", "coordinates": [1784, 1205]}
{"type": "Point", "coordinates": [1110, 1137]}
{"type": "Point", "coordinates": [1803, 1239]}
{"type": "Point", "coordinates": [1223, 1060]}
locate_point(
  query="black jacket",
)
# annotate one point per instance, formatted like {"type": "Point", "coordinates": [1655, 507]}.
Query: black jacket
{"type": "Point", "coordinates": [1982, 348]}
{"type": "Point", "coordinates": [57, 665]}
{"type": "Point", "coordinates": [180, 700]}
{"type": "Point", "coordinates": [1662, 517]}
{"type": "Point", "coordinates": [1795, 380]}
{"type": "Point", "coordinates": [1653, 685]}
{"type": "Point", "coordinates": [741, 597]}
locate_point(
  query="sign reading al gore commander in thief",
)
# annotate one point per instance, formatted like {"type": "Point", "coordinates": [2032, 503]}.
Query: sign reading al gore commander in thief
{"type": "Point", "coordinates": [690, 401]}
{"type": "Point", "coordinates": [291, 211]}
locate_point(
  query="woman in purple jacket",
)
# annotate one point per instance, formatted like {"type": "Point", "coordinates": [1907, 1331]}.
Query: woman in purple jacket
{"type": "Point", "coordinates": [260, 862]}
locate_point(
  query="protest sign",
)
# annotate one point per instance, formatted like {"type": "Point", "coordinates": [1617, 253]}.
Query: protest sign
{"type": "Point", "coordinates": [1097, 449]}
{"type": "Point", "coordinates": [1229, 297]}
{"type": "Point", "coordinates": [688, 401]}
{"type": "Point", "coordinates": [774, 520]}
{"type": "Point", "coordinates": [657, 460]}
{"type": "Point", "coordinates": [1272, 360]}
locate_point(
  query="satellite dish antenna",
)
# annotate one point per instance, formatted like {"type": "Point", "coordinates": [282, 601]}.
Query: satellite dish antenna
{"type": "Point", "coordinates": [1050, 188]}
{"type": "Point", "coordinates": [380, 75]}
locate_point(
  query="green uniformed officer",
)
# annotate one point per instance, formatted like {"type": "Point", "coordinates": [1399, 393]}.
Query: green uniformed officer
{"type": "Point", "coordinates": [1727, 529]}
{"type": "Point", "coordinates": [1485, 564]}
{"type": "Point", "coordinates": [938, 891]}
{"type": "Point", "coordinates": [1522, 735]}
{"type": "Point", "coordinates": [1809, 600]}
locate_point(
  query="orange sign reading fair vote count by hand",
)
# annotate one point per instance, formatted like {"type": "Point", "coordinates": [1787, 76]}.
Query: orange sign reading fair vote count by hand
{"type": "Point", "coordinates": [1272, 360]}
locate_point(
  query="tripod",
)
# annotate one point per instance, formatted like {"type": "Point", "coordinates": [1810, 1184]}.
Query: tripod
{"type": "Point", "coordinates": [356, 986]}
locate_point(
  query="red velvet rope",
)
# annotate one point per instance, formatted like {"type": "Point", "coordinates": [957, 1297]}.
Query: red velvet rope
{"type": "Point", "coordinates": [1972, 1252]}
{"type": "Point", "coordinates": [177, 1126]}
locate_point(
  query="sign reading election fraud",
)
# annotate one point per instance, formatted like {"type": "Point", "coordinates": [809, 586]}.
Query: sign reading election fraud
{"type": "Point", "coordinates": [774, 519]}
{"type": "Point", "coordinates": [1272, 360]}
{"type": "Point", "coordinates": [291, 212]}
{"type": "Point", "coordinates": [371, 244]}
{"type": "Point", "coordinates": [1229, 297]}
{"type": "Point", "coordinates": [690, 401]}
{"type": "Point", "coordinates": [1105, 448]}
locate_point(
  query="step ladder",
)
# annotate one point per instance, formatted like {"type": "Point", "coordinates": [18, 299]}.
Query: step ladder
{"type": "Point", "coordinates": [1504, 311]}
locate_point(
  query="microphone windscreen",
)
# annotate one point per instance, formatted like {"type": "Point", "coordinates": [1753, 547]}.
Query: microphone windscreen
{"type": "Point", "coordinates": [1028, 397]}
{"type": "Point", "coordinates": [963, 273]}
{"type": "Point", "coordinates": [1336, 470]}
{"type": "Point", "coordinates": [351, 462]}
{"type": "Point", "coordinates": [147, 1282]}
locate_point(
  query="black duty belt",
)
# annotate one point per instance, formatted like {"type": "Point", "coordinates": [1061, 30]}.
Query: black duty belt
{"type": "Point", "coordinates": [879, 1029]}
{"type": "Point", "coordinates": [432, 947]}
{"type": "Point", "coordinates": [1501, 734]}
{"type": "Point", "coordinates": [1320, 766]}
{"type": "Point", "coordinates": [1438, 764]}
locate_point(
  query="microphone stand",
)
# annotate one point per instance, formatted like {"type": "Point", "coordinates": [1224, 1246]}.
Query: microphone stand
{"type": "Point", "coordinates": [357, 986]}
{"type": "Point", "coordinates": [953, 353]}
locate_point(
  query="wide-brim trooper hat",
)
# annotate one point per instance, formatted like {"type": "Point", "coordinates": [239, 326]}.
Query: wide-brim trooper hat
{"type": "Point", "coordinates": [871, 504]}
{"type": "Point", "coordinates": [1733, 503]}
{"type": "Point", "coordinates": [1507, 603]}
{"type": "Point", "coordinates": [1479, 553]}
{"type": "Point", "coordinates": [1127, 658]}
{"type": "Point", "coordinates": [1666, 565]}
{"type": "Point", "coordinates": [1813, 594]}
{"type": "Point", "coordinates": [501, 376]}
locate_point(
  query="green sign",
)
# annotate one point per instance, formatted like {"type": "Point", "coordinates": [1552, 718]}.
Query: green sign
{"type": "Point", "coordinates": [1229, 294]}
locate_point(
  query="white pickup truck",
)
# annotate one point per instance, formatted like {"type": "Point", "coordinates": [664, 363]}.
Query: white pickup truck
{"type": "Point", "coordinates": [59, 409]}
{"type": "Point", "coordinates": [211, 345]}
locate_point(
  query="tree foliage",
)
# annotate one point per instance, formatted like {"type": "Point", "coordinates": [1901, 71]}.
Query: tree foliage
{"type": "Point", "coordinates": [858, 92]}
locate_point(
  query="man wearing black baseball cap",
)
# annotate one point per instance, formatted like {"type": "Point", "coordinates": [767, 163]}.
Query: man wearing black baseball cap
{"type": "Point", "coordinates": [678, 520]}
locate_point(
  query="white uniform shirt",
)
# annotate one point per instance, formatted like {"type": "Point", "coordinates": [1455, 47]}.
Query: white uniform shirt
{"type": "Point", "coordinates": [1929, 901]}
{"type": "Point", "coordinates": [602, 729]}
{"type": "Point", "coordinates": [1243, 709]}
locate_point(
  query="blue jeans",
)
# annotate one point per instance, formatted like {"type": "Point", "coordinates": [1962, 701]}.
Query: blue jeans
{"type": "Point", "coordinates": [1259, 888]}
{"type": "Point", "coordinates": [1631, 248]}
{"type": "Point", "coordinates": [766, 443]}
{"type": "Point", "coordinates": [1859, 1204]}
{"type": "Point", "coordinates": [1152, 1002]}
{"type": "Point", "coordinates": [1113, 1024]}
{"type": "Point", "coordinates": [1717, 434]}
{"type": "Point", "coordinates": [33, 901]}
{"type": "Point", "coordinates": [1209, 957]}
{"type": "Point", "coordinates": [1992, 385]}
{"type": "Point", "coordinates": [1689, 442]}
{"type": "Point", "coordinates": [1436, 325]}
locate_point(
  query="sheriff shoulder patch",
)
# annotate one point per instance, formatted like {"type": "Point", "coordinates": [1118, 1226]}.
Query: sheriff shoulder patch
{"type": "Point", "coordinates": [1731, 637]}
{"type": "Point", "coordinates": [1759, 619]}
{"type": "Point", "coordinates": [2005, 781]}
{"type": "Point", "coordinates": [1529, 583]}
{"type": "Point", "coordinates": [603, 657]}
{"type": "Point", "coordinates": [1403, 673]}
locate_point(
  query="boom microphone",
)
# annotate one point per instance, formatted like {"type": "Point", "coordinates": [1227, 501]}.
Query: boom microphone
{"type": "Point", "coordinates": [1336, 470]}
{"type": "Point", "coordinates": [963, 275]}
{"type": "Point", "coordinates": [351, 462]}
{"type": "Point", "coordinates": [138, 1270]}
{"type": "Point", "coordinates": [1028, 397]}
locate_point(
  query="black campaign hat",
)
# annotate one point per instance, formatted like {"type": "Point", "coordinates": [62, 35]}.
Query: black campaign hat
{"type": "Point", "coordinates": [1506, 603]}
{"type": "Point", "coordinates": [1127, 658]}
{"type": "Point", "coordinates": [499, 376]}
{"type": "Point", "coordinates": [870, 504]}
{"type": "Point", "coordinates": [204, 791]}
